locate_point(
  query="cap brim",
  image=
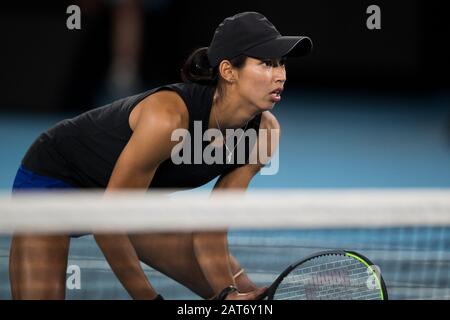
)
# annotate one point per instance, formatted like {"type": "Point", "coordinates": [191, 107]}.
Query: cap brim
{"type": "Point", "coordinates": [282, 46]}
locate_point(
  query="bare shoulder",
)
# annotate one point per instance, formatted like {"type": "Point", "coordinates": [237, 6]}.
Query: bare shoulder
{"type": "Point", "coordinates": [154, 121]}
{"type": "Point", "coordinates": [269, 121]}
{"type": "Point", "coordinates": [162, 109]}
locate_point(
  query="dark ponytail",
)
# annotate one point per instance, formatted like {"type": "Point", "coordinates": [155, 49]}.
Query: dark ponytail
{"type": "Point", "coordinates": [198, 70]}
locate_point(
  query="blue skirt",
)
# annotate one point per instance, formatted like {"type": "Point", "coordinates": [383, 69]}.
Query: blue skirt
{"type": "Point", "coordinates": [27, 180]}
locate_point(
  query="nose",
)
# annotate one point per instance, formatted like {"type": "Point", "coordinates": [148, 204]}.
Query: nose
{"type": "Point", "coordinates": [279, 74]}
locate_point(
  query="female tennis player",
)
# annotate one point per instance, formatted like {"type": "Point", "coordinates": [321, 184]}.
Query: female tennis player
{"type": "Point", "coordinates": [234, 83]}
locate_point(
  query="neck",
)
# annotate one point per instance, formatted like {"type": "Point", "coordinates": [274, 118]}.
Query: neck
{"type": "Point", "coordinates": [230, 112]}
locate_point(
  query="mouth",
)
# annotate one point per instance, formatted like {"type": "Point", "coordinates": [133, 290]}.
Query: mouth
{"type": "Point", "coordinates": [275, 95]}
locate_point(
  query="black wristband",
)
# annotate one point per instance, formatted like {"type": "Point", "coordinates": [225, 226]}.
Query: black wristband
{"type": "Point", "coordinates": [225, 292]}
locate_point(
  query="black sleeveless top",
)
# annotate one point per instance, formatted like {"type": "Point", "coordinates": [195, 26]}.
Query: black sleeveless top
{"type": "Point", "coordinates": [82, 151]}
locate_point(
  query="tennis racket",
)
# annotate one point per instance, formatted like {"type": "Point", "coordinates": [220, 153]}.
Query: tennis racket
{"type": "Point", "coordinates": [330, 275]}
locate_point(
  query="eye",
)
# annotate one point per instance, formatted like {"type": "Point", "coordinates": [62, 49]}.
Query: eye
{"type": "Point", "coordinates": [268, 63]}
{"type": "Point", "coordinates": [274, 62]}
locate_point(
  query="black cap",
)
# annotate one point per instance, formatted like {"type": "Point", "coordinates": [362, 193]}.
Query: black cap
{"type": "Point", "coordinates": [251, 34]}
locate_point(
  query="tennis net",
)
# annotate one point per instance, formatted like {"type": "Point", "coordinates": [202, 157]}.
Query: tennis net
{"type": "Point", "coordinates": [406, 233]}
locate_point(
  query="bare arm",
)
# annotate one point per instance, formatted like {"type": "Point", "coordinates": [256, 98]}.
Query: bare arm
{"type": "Point", "coordinates": [238, 179]}
{"type": "Point", "coordinates": [149, 145]}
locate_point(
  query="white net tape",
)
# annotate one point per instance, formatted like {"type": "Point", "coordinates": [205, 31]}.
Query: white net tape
{"type": "Point", "coordinates": [134, 212]}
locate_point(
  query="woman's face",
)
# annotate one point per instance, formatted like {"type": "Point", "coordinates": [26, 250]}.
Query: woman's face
{"type": "Point", "coordinates": [261, 82]}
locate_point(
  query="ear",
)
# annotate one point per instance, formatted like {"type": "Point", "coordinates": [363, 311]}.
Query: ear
{"type": "Point", "coordinates": [226, 71]}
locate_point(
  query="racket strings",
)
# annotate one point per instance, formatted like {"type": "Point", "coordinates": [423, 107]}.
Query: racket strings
{"type": "Point", "coordinates": [331, 277]}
